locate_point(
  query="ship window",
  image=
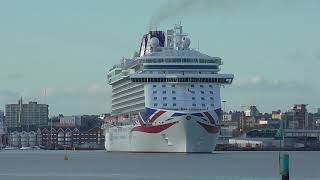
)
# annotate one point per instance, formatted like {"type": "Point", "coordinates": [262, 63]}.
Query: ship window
{"type": "Point", "coordinates": [154, 92]}
{"type": "Point", "coordinates": [210, 85]}
{"type": "Point", "coordinates": [154, 86]}
{"type": "Point", "coordinates": [202, 98]}
{"type": "Point", "coordinates": [173, 92]}
{"type": "Point", "coordinates": [174, 104]}
{"type": "Point", "coordinates": [165, 104]}
{"type": "Point", "coordinates": [201, 85]}
{"type": "Point", "coordinates": [174, 98]}
{"type": "Point", "coordinates": [163, 85]}
{"type": "Point", "coordinates": [203, 105]}
{"type": "Point", "coordinates": [193, 104]}
{"type": "Point", "coordinates": [212, 104]}
{"type": "Point", "coordinates": [155, 98]}
{"type": "Point", "coordinates": [155, 104]}
{"type": "Point", "coordinates": [164, 98]}
{"type": "Point", "coordinates": [211, 92]}
{"type": "Point", "coordinates": [192, 85]}
{"type": "Point", "coordinates": [164, 92]}
{"type": "Point", "coordinates": [202, 92]}
{"type": "Point", "coordinates": [173, 85]}
{"type": "Point", "coordinates": [193, 98]}
{"type": "Point", "coordinates": [211, 98]}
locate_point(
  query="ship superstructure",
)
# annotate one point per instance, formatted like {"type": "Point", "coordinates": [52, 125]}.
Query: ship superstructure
{"type": "Point", "coordinates": [166, 98]}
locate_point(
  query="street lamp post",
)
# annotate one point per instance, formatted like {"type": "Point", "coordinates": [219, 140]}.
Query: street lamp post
{"type": "Point", "coordinates": [224, 109]}
{"type": "Point", "coordinates": [242, 119]}
{"type": "Point", "coordinates": [51, 133]}
{"type": "Point", "coordinates": [313, 123]}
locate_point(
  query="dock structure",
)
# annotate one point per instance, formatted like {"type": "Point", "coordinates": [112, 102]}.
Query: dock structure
{"type": "Point", "coordinates": [301, 133]}
{"type": "Point", "coordinates": [267, 133]}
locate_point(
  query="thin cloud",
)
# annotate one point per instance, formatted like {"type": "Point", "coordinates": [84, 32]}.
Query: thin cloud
{"type": "Point", "coordinates": [318, 59]}
{"type": "Point", "coordinates": [88, 89]}
{"type": "Point", "coordinates": [268, 94]}
{"type": "Point", "coordinates": [7, 97]}
{"type": "Point", "coordinates": [301, 57]}
{"type": "Point", "coordinates": [97, 88]}
{"type": "Point", "coordinates": [12, 76]}
{"type": "Point", "coordinates": [92, 98]}
{"type": "Point", "coordinates": [258, 82]}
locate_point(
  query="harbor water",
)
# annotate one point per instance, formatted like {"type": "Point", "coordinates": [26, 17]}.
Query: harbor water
{"type": "Point", "coordinates": [98, 165]}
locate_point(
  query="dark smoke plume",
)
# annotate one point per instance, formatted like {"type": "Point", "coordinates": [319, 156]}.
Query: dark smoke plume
{"type": "Point", "coordinates": [183, 7]}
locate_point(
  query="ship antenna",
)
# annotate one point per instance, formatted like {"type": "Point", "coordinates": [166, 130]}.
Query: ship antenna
{"type": "Point", "coordinates": [45, 96]}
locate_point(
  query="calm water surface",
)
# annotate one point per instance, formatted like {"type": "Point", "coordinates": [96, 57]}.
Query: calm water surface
{"type": "Point", "coordinates": [98, 165]}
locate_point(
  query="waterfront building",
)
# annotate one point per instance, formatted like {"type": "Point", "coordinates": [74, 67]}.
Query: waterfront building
{"type": "Point", "coordinates": [317, 114]}
{"type": "Point", "coordinates": [2, 128]}
{"type": "Point", "coordinates": [71, 138]}
{"type": "Point", "coordinates": [227, 117]}
{"type": "Point", "coordinates": [315, 118]}
{"type": "Point", "coordinates": [317, 123]}
{"type": "Point", "coordinates": [1, 117]}
{"type": "Point", "coordinates": [252, 111]}
{"type": "Point", "coordinates": [268, 123]}
{"type": "Point", "coordinates": [276, 115]}
{"type": "Point", "coordinates": [298, 117]}
{"type": "Point", "coordinates": [70, 121]}
{"type": "Point", "coordinates": [1, 121]}
{"type": "Point", "coordinates": [25, 115]}
{"type": "Point", "coordinates": [22, 139]}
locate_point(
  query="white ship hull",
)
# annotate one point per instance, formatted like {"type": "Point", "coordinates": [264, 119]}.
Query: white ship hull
{"type": "Point", "coordinates": [185, 134]}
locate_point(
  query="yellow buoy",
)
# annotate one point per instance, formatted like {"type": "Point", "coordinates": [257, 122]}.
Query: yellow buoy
{"type": "Point", "coordinates": [66, 157]}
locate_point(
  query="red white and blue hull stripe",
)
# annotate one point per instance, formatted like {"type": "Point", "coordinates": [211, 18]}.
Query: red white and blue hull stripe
{"type": "Point", "coordinates": [158, 120]}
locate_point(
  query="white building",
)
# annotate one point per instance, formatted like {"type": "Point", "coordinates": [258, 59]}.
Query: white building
{"type": "Point", "coordinates": [70, 121]}
{"type": "Point", "coordinates": [227, 117]}
{"type": "Point", "coordinates": [252, 111]}
{"type": "Point", "coordinates": [276, 115]}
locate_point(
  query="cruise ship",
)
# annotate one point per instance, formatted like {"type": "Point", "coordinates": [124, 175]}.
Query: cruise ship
{"type": "Point", "coordinates": [166, 97]}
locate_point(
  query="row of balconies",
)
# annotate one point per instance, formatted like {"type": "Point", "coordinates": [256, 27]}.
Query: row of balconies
{"type": "Point", "coordinates": [128, 102]}
{"type": "Point", "coordinates": [125, 95]}
{"type": "Point", "coordinates": [128, 99]}
{"type": "Point", "coordinates": [139, 106]}
{"type": "Point", "coordinates": [132, 89]}
{"type": "Point", "coordinates": [121, 85]}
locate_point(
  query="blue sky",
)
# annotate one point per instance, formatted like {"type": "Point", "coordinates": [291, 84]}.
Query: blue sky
{"type": "Point", "coordinates": [66, 47]}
